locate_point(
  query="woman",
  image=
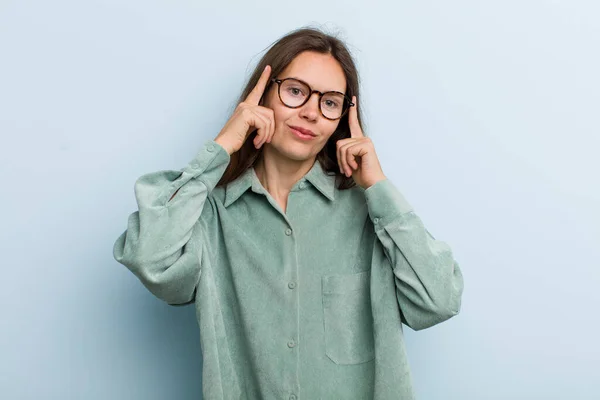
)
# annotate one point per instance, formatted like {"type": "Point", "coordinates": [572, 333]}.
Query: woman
{"type": "Point", "coordinates": [302, 259]}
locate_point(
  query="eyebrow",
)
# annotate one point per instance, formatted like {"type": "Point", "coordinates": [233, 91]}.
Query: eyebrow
{"type": "Point", "coordinates": [322, 91]}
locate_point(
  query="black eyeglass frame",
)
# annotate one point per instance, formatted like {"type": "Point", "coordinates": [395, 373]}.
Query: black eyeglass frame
{"type": "Point", "coordinates": [321, 94]}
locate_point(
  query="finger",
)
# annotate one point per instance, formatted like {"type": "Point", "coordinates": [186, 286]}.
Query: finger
{"type": "Point", "coordinates": [261, 124]}
{"type": "Point", "coordinates": [267, 131]}
{"type": "Point", "coordinates": [270, 117]}
{"type": "Point", "coordinates": [256, 93]}
{"type": "Point", "coordinates": [355, 130]}
{"type": "Point", "coordinates": [339, 161]}
{"type": "Point", "coordinates": [339, 145]}
{"type": "Point", "coordinates": [272, 130]}
{"type": "Point", "coordinates": [348, 161]}
{"type": "Point", "coordinates": [263, 133]}
{"type": "Point", "coordinates": [353, 152]}
{"type": "Point", "coordinates": [253, 121]}
{"type": "Point", "coordinates": [351, 158]}
{"type": "Point", "coordinates": [343, 160]}
{"type": "Point", "coordinates": [274, 125]}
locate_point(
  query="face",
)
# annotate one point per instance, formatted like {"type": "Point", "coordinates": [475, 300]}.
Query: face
{"type": "Point", "coordinates": [323, 73]}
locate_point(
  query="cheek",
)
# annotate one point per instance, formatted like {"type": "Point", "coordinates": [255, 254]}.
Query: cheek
{"type": "Point", "coordinates": [328, 128]}
{"type": "Point", "coordinates": [282, 115]}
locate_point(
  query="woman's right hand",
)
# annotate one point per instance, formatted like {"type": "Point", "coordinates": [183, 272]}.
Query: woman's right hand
{"type": "Point", "coordinates": [247, 117]}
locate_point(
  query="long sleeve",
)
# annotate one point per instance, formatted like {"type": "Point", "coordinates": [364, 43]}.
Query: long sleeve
{"type": "Point", "coordinates": [429, 282]}
{"type": "Point", "coordinates": [156, 246]}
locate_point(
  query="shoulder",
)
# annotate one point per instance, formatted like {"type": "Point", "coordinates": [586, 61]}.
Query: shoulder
{"type": "Point", "coordinates": [352, 192]}
{"type": "Point", "coordinates": [352, 197]}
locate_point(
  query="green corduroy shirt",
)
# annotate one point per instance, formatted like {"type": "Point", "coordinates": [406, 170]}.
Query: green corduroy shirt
{"type": "Point", "coordinates": [303, 304]}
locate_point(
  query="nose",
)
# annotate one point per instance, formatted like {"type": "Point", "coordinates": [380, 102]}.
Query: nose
{"type": "Point", "coordinates": [310, 110]}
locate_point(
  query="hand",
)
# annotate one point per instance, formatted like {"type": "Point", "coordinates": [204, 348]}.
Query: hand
{"type": "Point", "coordinates": [356, 154]}
{"type": "Point", "coordinates": [247, 117]}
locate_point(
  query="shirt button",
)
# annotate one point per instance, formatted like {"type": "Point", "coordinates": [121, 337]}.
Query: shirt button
{"type": "Point", "coordinates": [293, 397]}
{"type": "Point", "coordinates": [210, 148]}
{"type": "Point", "coordinates": [291, 344]}
{"type": "Point", "coordinates": [302, 185]}
{"type": "Point", "coordinates": [292, 285]}
{"type": "Point", "coordinates": [288, 231]}
{"type": "Point", "coordinates": [376, 220]}
{"type": "Point", "coordinates": [194, 166]}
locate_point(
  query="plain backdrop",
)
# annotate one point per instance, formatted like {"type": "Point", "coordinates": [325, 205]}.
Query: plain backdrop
{"type": "Point", "coordinates": [485, 114]}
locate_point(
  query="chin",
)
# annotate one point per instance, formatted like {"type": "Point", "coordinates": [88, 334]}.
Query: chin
{"type": "Point", "coordinates": [295, 151]}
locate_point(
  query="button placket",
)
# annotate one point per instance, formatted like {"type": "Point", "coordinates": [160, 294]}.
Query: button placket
{"type": "Point", "coordinates": [291, 321]}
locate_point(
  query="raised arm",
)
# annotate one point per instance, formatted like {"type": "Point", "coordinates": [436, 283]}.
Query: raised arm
{"type": "Point", "coordinates": [172, 205]}
{"type": "Point", "coordinates": [156, 246]}
{"type": "Point", "coordinates": [429, 282]}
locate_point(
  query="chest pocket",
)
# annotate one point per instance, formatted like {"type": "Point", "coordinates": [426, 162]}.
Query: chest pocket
{"type": "Point", "coordinates": [347, 317]}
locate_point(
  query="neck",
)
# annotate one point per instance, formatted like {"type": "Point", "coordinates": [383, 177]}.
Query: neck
{"type": "Point", "coordinates": [278, 174]}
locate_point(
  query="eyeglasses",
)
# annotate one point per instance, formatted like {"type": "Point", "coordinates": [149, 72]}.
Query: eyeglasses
{"type": "Point", "coordinates": [294, 93]}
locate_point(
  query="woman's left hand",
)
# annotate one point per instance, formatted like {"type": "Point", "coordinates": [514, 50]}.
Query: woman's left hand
{"type": "Point", "coordinates": [356, 155]}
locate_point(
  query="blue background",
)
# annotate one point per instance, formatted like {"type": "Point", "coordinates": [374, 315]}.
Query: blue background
{"type": "Point", "coordinates": [484, 113]}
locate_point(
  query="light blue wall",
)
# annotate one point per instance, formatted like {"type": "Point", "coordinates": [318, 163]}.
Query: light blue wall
{"type": "Point", "coordinates": [484, 113]}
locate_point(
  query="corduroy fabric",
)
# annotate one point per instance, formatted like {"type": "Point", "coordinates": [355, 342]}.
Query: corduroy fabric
{"type": "Point", "coordinates": [306, 304]}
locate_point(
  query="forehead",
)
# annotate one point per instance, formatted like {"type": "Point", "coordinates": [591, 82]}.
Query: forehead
{"type": "Point", "coordinates": [321, 71]}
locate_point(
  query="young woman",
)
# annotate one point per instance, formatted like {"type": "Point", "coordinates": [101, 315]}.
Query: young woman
{"type": "Point", "coordinates": [302, 258]}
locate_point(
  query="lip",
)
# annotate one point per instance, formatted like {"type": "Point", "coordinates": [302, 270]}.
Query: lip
{"type": "Point", "coordinates": [305, 134]}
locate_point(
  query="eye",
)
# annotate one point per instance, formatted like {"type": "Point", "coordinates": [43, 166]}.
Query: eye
{"type": "Point", "coordinates": [295, 91]}
{"type": "Point", "coordinates": [331, 104]}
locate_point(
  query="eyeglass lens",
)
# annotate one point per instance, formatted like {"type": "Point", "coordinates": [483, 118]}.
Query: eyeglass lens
{"type": "Point", "coordinates": [293, 93]}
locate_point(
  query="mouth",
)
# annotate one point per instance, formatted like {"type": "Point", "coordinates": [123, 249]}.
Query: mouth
{"type": "Point", "coordinates": [305, 134]}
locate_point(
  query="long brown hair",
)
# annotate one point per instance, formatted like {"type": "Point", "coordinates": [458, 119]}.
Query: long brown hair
{"type": "Point", "coordinates": [280, 54]}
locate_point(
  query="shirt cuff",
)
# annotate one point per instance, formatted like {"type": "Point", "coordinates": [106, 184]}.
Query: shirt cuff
{"type": "Point", "coordinates": [385, 202]}
{"type": "Point", "coordinates": [208, 165]}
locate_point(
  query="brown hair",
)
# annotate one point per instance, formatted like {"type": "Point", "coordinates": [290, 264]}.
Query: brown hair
{"type": "Point", "coordinates": [280, 54]}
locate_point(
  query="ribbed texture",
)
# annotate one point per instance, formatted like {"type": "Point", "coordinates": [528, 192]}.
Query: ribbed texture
{"type": "Point", "coordinates": [307, 303]}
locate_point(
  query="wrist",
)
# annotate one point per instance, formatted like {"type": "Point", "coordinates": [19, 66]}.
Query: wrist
{"type": "Point", "coordinates": [224, 146]}
{"type": "Point", "coordinates": [374, 181]}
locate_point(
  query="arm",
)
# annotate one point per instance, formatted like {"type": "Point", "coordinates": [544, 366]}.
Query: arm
{"type": "Point", "coordinates": [429, 282]}
{"type": "Point", "coordinates": [155, 246]}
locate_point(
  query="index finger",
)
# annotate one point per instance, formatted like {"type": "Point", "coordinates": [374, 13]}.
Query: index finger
{"type": "Point", "coordinates": [256, 93]}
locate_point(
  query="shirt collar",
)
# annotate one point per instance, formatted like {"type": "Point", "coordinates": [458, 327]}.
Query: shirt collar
{"type": "Point", "coordinates": [317, 176]}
